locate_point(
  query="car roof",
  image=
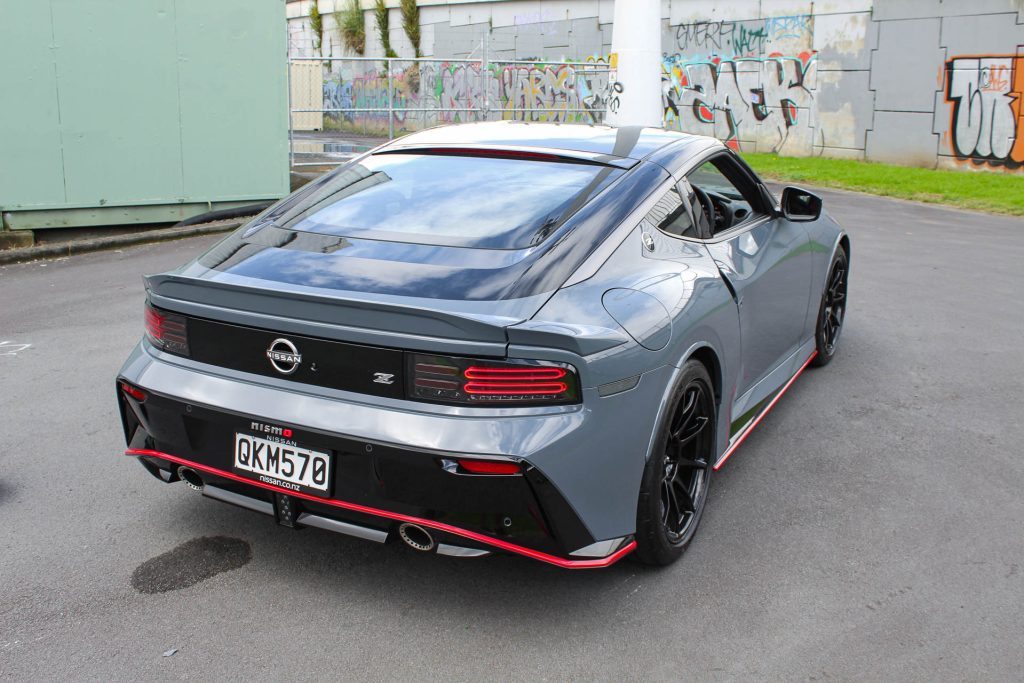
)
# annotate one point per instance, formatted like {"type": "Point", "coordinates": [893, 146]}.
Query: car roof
{"type": "Point", "coordinates": [570, 139]}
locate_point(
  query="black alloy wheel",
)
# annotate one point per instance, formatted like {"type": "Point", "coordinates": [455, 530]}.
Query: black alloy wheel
{"type": "Point", "coordinates": [676, 478]}
{"type": "Point", "coordinates": [833, 309]}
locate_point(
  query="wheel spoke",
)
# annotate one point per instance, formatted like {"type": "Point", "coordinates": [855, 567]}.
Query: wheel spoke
{"type": "Point", "coordinates": [683, 497]}
{"type": "Point", "coordinates": [692, 463]}
{"type": "Point", "coordinates": [837, 280]}
{"type": "Point", "coordinates": [686, 413]}
{"type": "Point", "coordinates": [690, 432]}
{"type": "Point", "coordinates": [670, 504]}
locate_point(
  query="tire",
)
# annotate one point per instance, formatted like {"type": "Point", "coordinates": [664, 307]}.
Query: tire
{"type": "Point", "coordinates": [680, 463]}
{"type": "Point", "coordinates": [832, 310]}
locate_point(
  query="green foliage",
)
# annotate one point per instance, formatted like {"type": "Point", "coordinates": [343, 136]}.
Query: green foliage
{"type": "Point", "coordinates": [352, 27]}
{"type": "Point", "coordinates": [380, 12]}
{"type": "Point", "coordinates": [983, 191]}
{"type": "Point", "coordinates": [411, 23]}
{"type": "Point", "coordinates": [316, 22]}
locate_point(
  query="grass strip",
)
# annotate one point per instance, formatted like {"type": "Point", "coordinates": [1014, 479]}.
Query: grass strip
{"type": "Point", "coordinates": [995, 192]}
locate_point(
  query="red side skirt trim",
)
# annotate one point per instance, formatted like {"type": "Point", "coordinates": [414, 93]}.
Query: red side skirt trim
{"type": "Point", "coordinates": [757, 420]}
{"type": "Point", "coordinates": [440, 526]}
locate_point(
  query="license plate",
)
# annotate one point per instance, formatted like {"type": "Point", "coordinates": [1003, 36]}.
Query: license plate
{"type": "Point", "coordinates": [282, 464]}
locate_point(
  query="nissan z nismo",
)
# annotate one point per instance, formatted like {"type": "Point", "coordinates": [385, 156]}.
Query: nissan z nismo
{"type": "Point", "coordinates": [510, 337]}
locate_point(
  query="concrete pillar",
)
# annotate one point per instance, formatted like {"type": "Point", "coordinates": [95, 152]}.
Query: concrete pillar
{"type": "Point", "coordinates": [634, 97]}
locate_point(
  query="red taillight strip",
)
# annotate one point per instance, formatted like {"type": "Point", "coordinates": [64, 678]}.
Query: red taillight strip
{"type": "Point", "coordinates": [495, 388]}
{"type": "Point", "coordinates": [760, 416]}
{"type": "Point", "coordinates": [136, 393]}
{"type": "Point", "coordinates": [488, 466]}
{"type": "Point", "coordinates": [440, 526]}
{"type": "Point", "coordinates": [521, 374]}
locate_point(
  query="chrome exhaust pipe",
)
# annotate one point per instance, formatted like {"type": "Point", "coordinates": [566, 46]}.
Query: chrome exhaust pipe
{"type": "Point", "coordinates": [191, 478]}
{"type": "Point", "coordinates": [416, 537]}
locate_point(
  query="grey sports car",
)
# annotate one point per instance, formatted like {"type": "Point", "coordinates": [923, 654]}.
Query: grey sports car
{"type": "Point", "coordinates": [529, 338]}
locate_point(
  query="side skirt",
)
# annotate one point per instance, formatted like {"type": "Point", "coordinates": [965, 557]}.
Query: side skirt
{"type": "Point", "coordinates": [742, 434]}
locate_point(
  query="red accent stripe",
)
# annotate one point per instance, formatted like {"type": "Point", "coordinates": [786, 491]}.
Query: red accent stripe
{"type": "Point", "coordinates": [757, 420]}
{"type": "Point", "coordinates": [440, 526]}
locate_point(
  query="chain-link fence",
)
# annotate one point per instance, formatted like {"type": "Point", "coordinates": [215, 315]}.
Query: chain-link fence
{"type": "Point", "coordinates": [340, 106]}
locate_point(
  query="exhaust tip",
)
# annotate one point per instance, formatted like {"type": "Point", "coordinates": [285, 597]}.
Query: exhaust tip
{"type": "Point", "coordinates": [191, 478]}
{"type": "Point", "coordinates": [416, 537]}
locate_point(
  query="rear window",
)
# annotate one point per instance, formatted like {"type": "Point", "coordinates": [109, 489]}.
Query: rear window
{"type": "Point", "coordinates": [463, 201]}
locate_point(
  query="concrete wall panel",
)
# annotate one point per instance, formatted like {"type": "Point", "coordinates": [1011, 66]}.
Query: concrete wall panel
{"type": "Point", "coordinates": [845, 108]}
{"type": "Point", "coordinates": [722, 10]}
{"type": "Point", "coordinates": [902, 138]}
{"type": "Point", "coordinates": [975, 35]}
{"type": "Point", "coordinates": [906, 65]}
{"type": "Point", "coordinates": [844, 41]}
{"type": "Point", "coordinates": [908, 9]}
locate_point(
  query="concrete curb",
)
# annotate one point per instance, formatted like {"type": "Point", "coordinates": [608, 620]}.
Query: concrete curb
{"type": "Point", "coordinates": [99, 243]}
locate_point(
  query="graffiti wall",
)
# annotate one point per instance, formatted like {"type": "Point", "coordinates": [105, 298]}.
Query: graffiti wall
{"type": "Point", "coordinates": [750, 83]}
{"type": "Point", "coordinates": [928, 82]}
{"type": "Point", "coordinates": [430, 93]}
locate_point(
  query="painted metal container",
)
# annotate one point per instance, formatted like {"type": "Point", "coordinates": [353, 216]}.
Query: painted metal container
{"type": "Point", "coordinates": [140, 112]}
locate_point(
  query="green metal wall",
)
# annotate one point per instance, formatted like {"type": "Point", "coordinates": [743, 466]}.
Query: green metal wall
{"type": "Point", "coordinates": [165, 105]}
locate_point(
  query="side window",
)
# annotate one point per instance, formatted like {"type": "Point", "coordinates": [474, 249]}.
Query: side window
{"type": "Point", "coordinates": [671, 215]}
{"type": "Point", "coordinates": [725, 193]}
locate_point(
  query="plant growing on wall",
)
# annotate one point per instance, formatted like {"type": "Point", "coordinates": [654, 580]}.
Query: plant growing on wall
{"type": "Point", "coordinates": [353, 28]}
{"type": "Point", "coordinates": [316, 23]}
{"type": "Point", "coordinates": [411, 26]}
{"type": "Point", "coordinates": [380, 12]}
{"type": "Point", "coordinates": [411, 23]}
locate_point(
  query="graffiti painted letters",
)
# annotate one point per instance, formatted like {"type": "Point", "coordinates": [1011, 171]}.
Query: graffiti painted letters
{"type": "Point", "coordinates": [739, 99]}
{"type": "Point", "coordinates": [987, 122]}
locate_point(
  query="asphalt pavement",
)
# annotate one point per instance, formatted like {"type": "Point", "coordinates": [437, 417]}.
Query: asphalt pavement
{"type": "Point", "coordinates": [871, 528]}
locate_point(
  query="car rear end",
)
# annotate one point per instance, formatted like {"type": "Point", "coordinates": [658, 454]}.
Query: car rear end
{"type": "Point", "coordinates": [364, 382]}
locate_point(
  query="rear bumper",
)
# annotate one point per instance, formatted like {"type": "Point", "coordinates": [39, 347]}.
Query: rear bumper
{"type": "Point", "coordinates": [192, 414]}
{"type": "Point", "coordinates": [345, 509]}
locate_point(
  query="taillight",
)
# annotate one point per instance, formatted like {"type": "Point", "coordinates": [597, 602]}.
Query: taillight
{"type": "Point", "coordinates": [443, 379]}
{"type": "Point", "coordinates": [488, 466]}
{"type": "Point", "coordinates": [167, 331]}
{"type": "Point", "coordinates": [133, 391]}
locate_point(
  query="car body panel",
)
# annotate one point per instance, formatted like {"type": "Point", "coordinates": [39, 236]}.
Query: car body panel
{"type": "Point", "coordinates": [769, 269]}
{"type": "Point", "coordinates": [608, 293]}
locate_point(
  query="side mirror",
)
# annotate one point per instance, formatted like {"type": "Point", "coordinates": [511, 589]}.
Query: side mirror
{"type": "Point", "coordinates": [800, 205]}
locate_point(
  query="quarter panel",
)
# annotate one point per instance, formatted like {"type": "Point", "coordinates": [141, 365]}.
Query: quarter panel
{"type": "Point", "coordinates": [701, 313]}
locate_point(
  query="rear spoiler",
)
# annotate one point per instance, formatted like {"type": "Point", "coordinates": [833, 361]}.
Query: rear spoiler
{"type": "Point", "coordinates": [368, 319]}
{"type": "Point", "coordinates": [375, 321]}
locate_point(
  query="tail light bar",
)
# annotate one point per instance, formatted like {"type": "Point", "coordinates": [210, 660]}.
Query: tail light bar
{"type": "Point", "coordinates": [167, 331]}
{"type": "Point", "coordinates": [466, 381]}
{"type": "Point", "coordinates": [436, 379]}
